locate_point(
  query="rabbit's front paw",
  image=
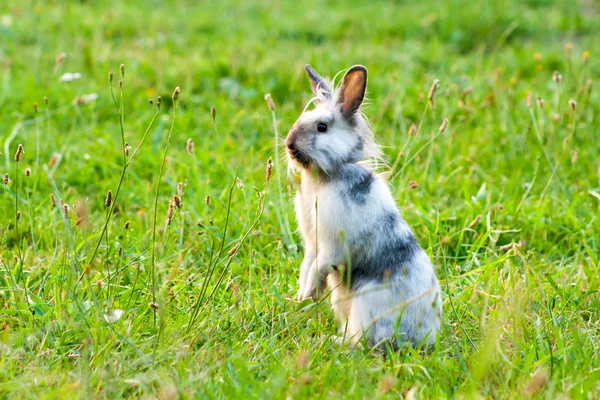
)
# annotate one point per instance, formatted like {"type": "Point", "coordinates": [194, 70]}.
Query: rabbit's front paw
{"type": "Point", "coordinates": [309, 293]}
{"type": "Point", "coordinates": [301, 287]}
{"type": "Point", "coordinates": [310, 289]}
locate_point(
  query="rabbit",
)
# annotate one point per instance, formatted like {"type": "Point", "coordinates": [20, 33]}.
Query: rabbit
{"type": "Point", "coordinates": [383, 285]}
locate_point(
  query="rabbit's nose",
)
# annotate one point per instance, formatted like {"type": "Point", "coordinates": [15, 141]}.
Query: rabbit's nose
{"type": "Point", "coordinates": [290, 145]}
{"type": "Point", "coordinates": [290, 141]}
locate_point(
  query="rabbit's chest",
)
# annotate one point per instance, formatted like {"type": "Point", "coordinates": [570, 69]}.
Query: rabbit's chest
{"type": "Point", "coordinates": [326, 213]}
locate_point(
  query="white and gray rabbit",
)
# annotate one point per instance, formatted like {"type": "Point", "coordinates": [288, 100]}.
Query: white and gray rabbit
{"type": "Point", "coordinates": [383, 284]}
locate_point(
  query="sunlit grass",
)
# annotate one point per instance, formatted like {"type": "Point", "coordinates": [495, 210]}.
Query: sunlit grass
{"type": "Point", "coordinates": [145, 298]}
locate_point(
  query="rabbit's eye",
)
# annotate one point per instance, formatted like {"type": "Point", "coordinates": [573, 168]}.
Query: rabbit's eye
{"type": "Point", "coordinates": [322, 127]}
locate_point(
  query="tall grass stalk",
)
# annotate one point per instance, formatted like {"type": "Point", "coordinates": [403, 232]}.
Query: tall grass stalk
{"type": "Point", "coordinates": [14, 287]}
{"type": "Point", "coordinates": [175, 97]}
{"type": "Point", "coordinates": [538, 135]}
{"type": "Point", "coordinates": [428, 103]}
{"type": "Point", "coordinates": [212, 266]}
{"type": "Point", "coordinates": [126, 162]}
{"type": "Point", "coordinates": [17, 214]}
{"type": "Point", "coordinates": [20, 249]}
{"type": "Point", "coordinates": [231, 255]}
{"type": "Point", "coordinates": [280, 209]}
{"type": "Point", "coordinates": [30, 213]}
{"type": "Point", "coordinates": [261, 206]}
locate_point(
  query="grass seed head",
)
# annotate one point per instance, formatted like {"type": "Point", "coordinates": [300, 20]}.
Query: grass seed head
{"type": "Point", "coordinates": [109, 198]}
{"type": "Point", "coordinates": [189, 146]}
{"type": "Point", "coordinates": [19, 153]}
{"type": "Point", "coordinates": [35, 107]}
{"type": "Point", "coordinates": [65, 210]}
{"type": "Point", "coordinates": [475, 222]}
{"type": "Point", "coordinates": [18, 215]}
{"type": "Point", "coordinates": [207, 199]}
{"type": "Point", "coordinates": [45, 100]}
{"type": "Point", "coordinates": [233, 250]}
{"type": "Point", "coordinates": [507, 247]}
{"type": "Point", "coordinates": [110, 77]}
{"type": "Point", "coordinates": [127, 149]}
{"type": "Point", "coordinates": [574, 157]}
{"type": "Point", "coordinates": [412, 131]}
{"type": "Point", "coordinates": [434, 87]}
{"type": "Point", "coordinates": [170, 212]}
{"type": "Point", "coordinates": [557, 77]}
{"type": "Point", "coordinates": [466, 92]}
{"type": "Point", "coordinates": [175, 95]}
{"type": "Point", "coordinates": [153, 306]}
{"type": "Point", "coordinates": [177, 201]}
{"type": "Point", "coordinates": [270, 102]}
{"type": "Point", "coordinates": [529, 101]}
{"type": "Point", "coordinates": [5, 180]}
{"type": "Point", "coordinates": [213, 113]}
{"type": "Point", "coordinates": [158, 102]}
{"type": "Point", "coordinates": [540, 102]}
{"type": "Point", "coordinates": [122, 70]}
{"type": "Point", "coordinates": [573, 104]}
{"type": "Point", "coordinates": [444, 125]}
{"type": "Point", "coordinates": [239, 183]}
{"type": "Point", "coordinates": [52, 200]}
{"type": "Point", "coordinates": [126, 225]}
{"type": "Point", "coordinates": [180, 189]}
{"type": "Point", "coordinates": [269, 170]}
{"type": "Point", "coordinates": [28, 171]}
{"type": "Point", "coordinates": [413, 184]}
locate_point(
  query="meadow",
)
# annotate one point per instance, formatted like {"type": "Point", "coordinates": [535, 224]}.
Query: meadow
{"type": "Point", "coordinates": [182, 284]}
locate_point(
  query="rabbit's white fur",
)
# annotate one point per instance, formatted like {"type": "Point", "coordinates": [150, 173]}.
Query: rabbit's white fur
{"type": "Point", "coordinates": [383, 284]}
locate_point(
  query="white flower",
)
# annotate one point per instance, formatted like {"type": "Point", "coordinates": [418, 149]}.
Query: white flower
{"type": "Point", "coordinates": [113, 316]}
{"type": "Point", "coordinates": [69, 77]}
{"type": "Point", "coordinates": [89, 97]}
{"type": "Point", "coordinates": [86, 98]}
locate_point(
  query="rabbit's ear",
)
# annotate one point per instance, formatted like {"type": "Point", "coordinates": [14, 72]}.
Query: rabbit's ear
{"type": "Point", "coordinates": [317, 83]}
{"type": "Point", "coordinates": [352, 92]}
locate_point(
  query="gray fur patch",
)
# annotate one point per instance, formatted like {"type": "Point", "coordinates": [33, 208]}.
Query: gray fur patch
{"type": "Point", "coordinates": [383, 253]}
{"type": "Point", "coordinates": [357, 181]}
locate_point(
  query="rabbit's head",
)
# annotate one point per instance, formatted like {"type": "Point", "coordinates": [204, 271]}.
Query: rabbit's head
{"type": "Point", "coordinates": [334, 132]}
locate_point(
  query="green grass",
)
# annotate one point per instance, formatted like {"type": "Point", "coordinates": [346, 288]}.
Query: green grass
{"type": "Point", "coordinates": [519, 320]}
